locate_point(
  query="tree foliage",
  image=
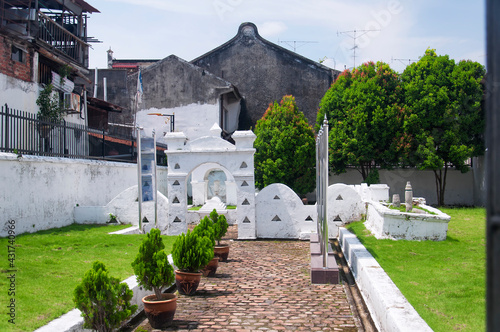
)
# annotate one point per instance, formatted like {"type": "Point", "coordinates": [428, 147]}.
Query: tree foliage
{"type": "Point", "coordinates": [103, 300]}
{"type": "Point", "coordinates": [364, 111]}
{"type": "Point", "coordinates": [49, 105]}
{"type": "Point", "coordinates": [151, 266]}
{"type": "Point", "coordinates": [445, 123]}
{"type": "Point", "coordinates": [285, 148]}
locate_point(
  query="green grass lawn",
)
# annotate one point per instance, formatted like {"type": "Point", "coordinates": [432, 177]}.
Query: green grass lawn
{"type": "Point", "coordinates": [51, 263]}
{"type": "Point", "coordinates": [444, 281]}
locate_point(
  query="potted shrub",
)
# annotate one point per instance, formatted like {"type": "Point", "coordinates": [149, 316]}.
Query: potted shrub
{"type": "Point", "coordinates": [190, 253]}
{"type": "Point", "coordinates": [220, 229]}
{"type": "Point", "coordinates": [154, 272]}
{"type": "Point", "coordinates": [207, 229]}
{"type": "Point", "coordinates": [103, 300]}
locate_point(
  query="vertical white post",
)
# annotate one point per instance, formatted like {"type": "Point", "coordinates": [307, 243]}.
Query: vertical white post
{"type": "Point", "coordinates": [105, 88]}
{"type": "Point", "coordinates": [324, 192]}
{"type": "Point", "coordinates": [322, 189]}
{"type": "Point", "coordinates": [139, 180]}
{"type": "Point", "coordinates": [95, 83]}
{"type": "Point", "coordinates": [155, 192]}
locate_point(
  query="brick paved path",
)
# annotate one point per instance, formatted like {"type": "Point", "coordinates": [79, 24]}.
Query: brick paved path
{"type": "Point", "coordinates": [265, 285]}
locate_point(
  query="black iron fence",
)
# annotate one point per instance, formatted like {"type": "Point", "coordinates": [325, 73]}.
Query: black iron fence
{"type": "Point", "coordinates": [26, 133]}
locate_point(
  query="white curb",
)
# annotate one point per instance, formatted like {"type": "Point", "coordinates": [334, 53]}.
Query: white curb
{"type": "Point", "coordinates": [388, 307]}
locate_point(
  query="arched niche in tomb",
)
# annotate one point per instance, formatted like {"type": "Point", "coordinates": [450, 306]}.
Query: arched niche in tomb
{"type": "Point", "coordinates": [210, 180]}
{"type": "Point", "coordinates": [204, 155]}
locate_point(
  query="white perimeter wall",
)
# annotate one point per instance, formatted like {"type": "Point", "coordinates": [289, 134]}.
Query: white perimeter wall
{"type": "Point", "coordinates": [460, 187]}
{"type": "Point", "coordinates": [40, 192]}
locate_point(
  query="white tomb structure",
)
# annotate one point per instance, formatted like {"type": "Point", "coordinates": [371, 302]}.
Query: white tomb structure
{"type": "Point", "coordinates": [201, 157]}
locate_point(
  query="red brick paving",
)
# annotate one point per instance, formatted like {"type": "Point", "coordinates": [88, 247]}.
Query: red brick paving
{"type": "Point", "coordinates": [264, 286]}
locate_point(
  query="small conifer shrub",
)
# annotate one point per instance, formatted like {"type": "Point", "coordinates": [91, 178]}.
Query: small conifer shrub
{"type": "Point", "coordinates": [103, 300]}
{"type": "Point", "coordinates": [151, 266]}
{"type": "Point", "coordinates": [192, 252]}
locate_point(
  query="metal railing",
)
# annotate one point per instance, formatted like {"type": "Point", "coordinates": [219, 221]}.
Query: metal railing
{"type": "Point", "coordinates": [61, 39]}
{"type": "Point", "coordinates": [26, 133]}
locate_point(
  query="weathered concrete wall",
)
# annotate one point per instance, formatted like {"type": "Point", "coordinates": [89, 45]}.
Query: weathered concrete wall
{"type": "Point", "coordinates": [173, 82]}
{"type": "Point", "coordinates": [459, 186]}
{"type": "Point", "coordinates": [41, 193]}
{"type": "Point", "coordinates": [194, 120]}
{"type": "Point", "coordinates": [18, 94]}
{"type": "Point", "coordinates": [264, 72]}
{"type": "Point", "coordinates": [117, 91]}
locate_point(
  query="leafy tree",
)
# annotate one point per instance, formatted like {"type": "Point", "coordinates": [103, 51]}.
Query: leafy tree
{"type": "Point", "coordinates": [103, 300]}
{"type": "Point", "coordinates": [364, 111]}
{"type": "Point", "coordinates": [285, 148]}
{"type": "Point", "coordinates": [49, 105]}
{"type": "Point", "coordinates": [445, 122]}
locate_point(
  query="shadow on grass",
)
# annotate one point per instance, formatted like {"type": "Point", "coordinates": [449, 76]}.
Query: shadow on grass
{"type": "Point", "coordinates": [66, 229]}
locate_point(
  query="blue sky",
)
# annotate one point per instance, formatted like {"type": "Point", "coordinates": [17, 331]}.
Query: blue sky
{"type": "Point", "coordinates": [397, 30]}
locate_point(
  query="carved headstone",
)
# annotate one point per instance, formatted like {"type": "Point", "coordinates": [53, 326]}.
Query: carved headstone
{"type": "Point", "coordinates": [396, 202]}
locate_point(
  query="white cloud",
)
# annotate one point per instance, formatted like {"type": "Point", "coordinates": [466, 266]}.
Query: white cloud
{"type": "Point", "coordinates": [271, 29]}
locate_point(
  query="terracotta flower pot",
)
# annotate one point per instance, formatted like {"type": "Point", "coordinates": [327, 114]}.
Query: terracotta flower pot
{"type": "Point", "coordinates": [187, 282]}
{"type": "Point", "coordinates": [160, 313]}
{"type": "Point", "coordinates": [222, 251]}
{"type": "Point", "coordinates": [211, 268]}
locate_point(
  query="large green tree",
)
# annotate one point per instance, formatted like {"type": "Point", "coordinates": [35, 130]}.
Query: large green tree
{"type": "Point", "coordinates": [445, 124]}
{"type": "Point", "coordinates": [364, 111]}
{"type": "Point", "coordinates": [285, 148]}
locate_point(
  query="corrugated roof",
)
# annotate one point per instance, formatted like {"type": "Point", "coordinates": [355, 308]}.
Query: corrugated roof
{"type": "Point", "coordinates": [86, 6]}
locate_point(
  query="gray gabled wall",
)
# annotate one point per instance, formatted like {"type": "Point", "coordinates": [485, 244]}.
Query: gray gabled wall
{"type": "Point", "coordinates": [264, 72]}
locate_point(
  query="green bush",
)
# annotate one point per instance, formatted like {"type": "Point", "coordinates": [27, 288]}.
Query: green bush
{"type": "Point", "coordinates": [102, 299]}
{"type": "Point", "coordinates": [285, 148]}
{"type": "Point", "coordinates": [49, 105]}
{"type": "Point", "coordinates": [191, 252]}
{"type": "Point", "coordinates": [220, 225]}
{"type": "Point", "coordinates": [205, 228]}
{"type": "Point", "coordinates": [151, 266]}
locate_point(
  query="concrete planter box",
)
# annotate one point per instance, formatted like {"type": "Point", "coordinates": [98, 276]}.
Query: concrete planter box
{"type": "Point", "coordinates": [386, 223]}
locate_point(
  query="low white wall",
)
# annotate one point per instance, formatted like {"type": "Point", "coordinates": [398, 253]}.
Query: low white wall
{"type": "Point", "coordinates": [41, 192]}
{"type": "Point", "coordinates": [385, 223]}
{"type": "Point", "coordinates": [125, 207]}
{"type": "Point", "coordinates": [387, 305]}
{"type": "Point", "coordinates": [460, 187]}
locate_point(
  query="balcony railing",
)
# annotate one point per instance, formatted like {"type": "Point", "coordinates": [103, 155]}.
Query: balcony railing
{"type": "Point", "coordinates": [61, 39]}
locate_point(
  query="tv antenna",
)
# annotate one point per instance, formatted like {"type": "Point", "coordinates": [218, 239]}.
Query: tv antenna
{"type": "Point", "coordinates": [293, 43]}
{"type": "Point", "coordinates": [403, 61]}
{"type": "Point", "coordinates": [353, 34]}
